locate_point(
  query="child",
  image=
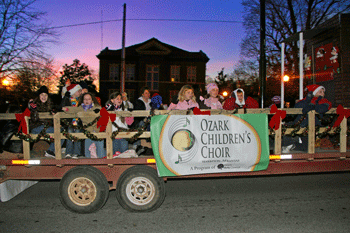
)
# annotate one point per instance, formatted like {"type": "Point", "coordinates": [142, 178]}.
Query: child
{"type": "Point", "coordinates": [42, 103]}
{"type": "Point", "coordinates": [71, 98]}
{"type": "Point", "coordinates": [212, 102]}
{"type": "Point", "coordinates": [186, 98]}
{"type": "Point", "coordinates": [88, 103]}
{"type": "Point", "coordinates": [115, 103]}
{"type": "Point", "coordinates": [238, 99]}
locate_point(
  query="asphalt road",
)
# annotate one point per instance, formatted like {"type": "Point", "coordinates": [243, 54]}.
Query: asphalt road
{"type": "Point", "coordinates": [301, 203]}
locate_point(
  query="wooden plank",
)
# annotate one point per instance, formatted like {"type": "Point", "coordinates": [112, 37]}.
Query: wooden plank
{"type": "Point", "coordinates": [241, 111]}
{"type": "Point", "coordinates": [57, 136]}
{"type": "Point", "coordinates": [311, 133]}
{"type": "Point", "coordinates": [343, 138]}
{"type": "Point", "coordinates": [109, 141]}
{"type": "Point", "coordinates": [26, 144]}
{"type": "Point", "coordinates": [278, 140]}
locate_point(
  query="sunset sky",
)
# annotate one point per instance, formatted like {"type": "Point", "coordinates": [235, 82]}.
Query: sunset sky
{"type": "Point", "coordinates": [219, 40]}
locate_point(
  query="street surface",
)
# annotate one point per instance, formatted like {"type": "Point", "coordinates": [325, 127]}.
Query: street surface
{"type": "Point", "coordinates": [300, 203]}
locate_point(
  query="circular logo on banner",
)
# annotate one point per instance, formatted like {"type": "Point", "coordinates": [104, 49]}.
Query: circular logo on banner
{"type": "Point", "coordinates": [183, 140]}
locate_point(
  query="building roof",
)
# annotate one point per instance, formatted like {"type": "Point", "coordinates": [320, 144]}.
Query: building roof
{"type": "Point", "coordinates": [317, 31]}
{"type": "Point", "coordinates": [153, 47]}
{"type": "Point", "coordinates": [308, 34]}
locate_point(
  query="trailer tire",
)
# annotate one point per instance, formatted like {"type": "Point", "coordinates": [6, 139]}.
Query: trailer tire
{"type": "Point", "coordinates": [139, 189]}
{"type": "Point", "coordinates": [83, 190]}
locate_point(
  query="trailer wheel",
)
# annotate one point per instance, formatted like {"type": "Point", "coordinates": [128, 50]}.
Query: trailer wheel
{"type": "Point", "coordinates": [84, 189]}
{"type": "Point", "coordinates": [139, 189]}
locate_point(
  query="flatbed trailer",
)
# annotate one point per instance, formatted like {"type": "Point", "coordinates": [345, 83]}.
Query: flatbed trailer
{"type": "Point", "coordinates": [85, 182]}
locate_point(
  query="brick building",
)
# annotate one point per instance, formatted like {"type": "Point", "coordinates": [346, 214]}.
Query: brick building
{"type": "Point", "coordinates": [327, 62]}
{"type": "Point", "coordinates": [161, 67]}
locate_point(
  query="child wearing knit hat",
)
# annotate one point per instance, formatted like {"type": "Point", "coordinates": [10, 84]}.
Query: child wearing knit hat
{"type": "Point", "coordinates": [42, 103]}
{"type": "Point", "coordinates": [213, 100]}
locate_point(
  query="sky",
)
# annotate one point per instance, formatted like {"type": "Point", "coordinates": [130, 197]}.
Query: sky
{"type": "Point", "coordinates": [219, 40]}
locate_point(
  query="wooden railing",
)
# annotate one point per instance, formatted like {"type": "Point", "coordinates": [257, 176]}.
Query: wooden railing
{"type": "Point", "coordinates": [57, 135]}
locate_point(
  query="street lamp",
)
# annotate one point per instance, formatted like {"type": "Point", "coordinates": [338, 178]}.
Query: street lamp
{"type": "Point", "coordinates": [225, 93]}
{"type": "Point", "coordinates": [284, 79]}
{"type": "Point", "coordinates": [5, 82]}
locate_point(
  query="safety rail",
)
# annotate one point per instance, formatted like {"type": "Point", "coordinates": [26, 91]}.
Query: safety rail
{"type": "Point", "coordinates": [107, 135]}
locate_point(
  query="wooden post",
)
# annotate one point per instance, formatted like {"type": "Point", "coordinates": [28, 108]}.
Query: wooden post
{"type": "Point", "coordinates": [278, 140]}
{"type": "Point", "coordinates": [26, 144]}
{"type": "Point", "coordinates": [343, 129]}
{"type": "Point", "coordinates": [109, 141]}
{"type": "Point", "coordinates": [57, 135]}
{"type": "Point", "coordinates": [311, 134]}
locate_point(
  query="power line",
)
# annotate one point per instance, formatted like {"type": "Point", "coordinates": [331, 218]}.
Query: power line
{"type": "Point", "coordinates": [169, 20]}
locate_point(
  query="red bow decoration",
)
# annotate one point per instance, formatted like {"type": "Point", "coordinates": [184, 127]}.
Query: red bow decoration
{"type": "Point", "coordinates": [103, 121]}
{"type": "Point", "coordinates": [22, 122]}
{"type": "Point", "coordinates": [342, 113]}
{"type": "Point", "coordinates": [276, 119]}
{"type": "Point", "coordinates": [197, 111]}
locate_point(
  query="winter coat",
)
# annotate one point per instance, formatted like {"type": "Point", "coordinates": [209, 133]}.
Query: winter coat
{"type": "Point", "coordinates": [232, 102]}
{"type": "Point", "coordinates": [140, 104]}
{"type": "Point", "coordinates": [37, 106]}
{"type": "Point", "coordinates": [183, 105]}
{"type": "Point", "coordinates": [320, 104]}
{"type": "Point", "coordinates": [212, 103]}
{"type": "Point", "coordinates": [119, 122]}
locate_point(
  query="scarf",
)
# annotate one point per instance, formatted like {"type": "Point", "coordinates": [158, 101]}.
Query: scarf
{"type": "Point", "coordinates": [87, 107]}
{"type": "Point", "coordinates": [73, 101]}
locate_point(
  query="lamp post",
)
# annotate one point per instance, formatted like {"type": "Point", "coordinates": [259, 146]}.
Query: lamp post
{"type": "Point", "coordinates": [285, 78]}
{"type": "Point", "coordinates": [5, 83]}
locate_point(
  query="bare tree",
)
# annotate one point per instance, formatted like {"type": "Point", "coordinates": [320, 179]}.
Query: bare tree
{"type": "Point", "coordinates": [23, 36]}
{"type": "Point", "coordinates": [283, 19]}
{"type": "Point", "coordinates": [246, 70]}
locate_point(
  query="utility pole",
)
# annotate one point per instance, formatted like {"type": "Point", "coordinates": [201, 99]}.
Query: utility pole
{"type": "Point", "coordinates": [262, 62]}
{"type": "Point", "coordinates": [122, 83]}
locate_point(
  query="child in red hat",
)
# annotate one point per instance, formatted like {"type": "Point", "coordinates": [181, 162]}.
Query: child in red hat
{"type": "Point", "coordinates": [314, 100]}
{"type": "Point", "coordinates": [71, 99]}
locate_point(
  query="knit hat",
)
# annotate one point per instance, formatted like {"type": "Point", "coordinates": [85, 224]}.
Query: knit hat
{"type": "Point", "coordinates": [314, 88]}
{"type": "Point", "coordinates": [211, 86]}
{"type": "Point", "coordinates": [156, 101]}
{"type": "Point", "coordinates": [43, 89]}
{"type": "Point", "coordinates": [73, 88]}
{"type": "Point", "coordinates": [276, 99]}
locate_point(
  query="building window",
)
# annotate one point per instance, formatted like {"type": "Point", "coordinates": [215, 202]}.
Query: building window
{"type": "Point", "coordinates": [130, 72]}
{"type": "Point", "coordinates": [114, 70]}
{"type": "Point", "coordinates": [175, 73]}
{"type": "Point", "coordinates": [191, 74]}
{"type": "Point", "coordinates": [152, 77]}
